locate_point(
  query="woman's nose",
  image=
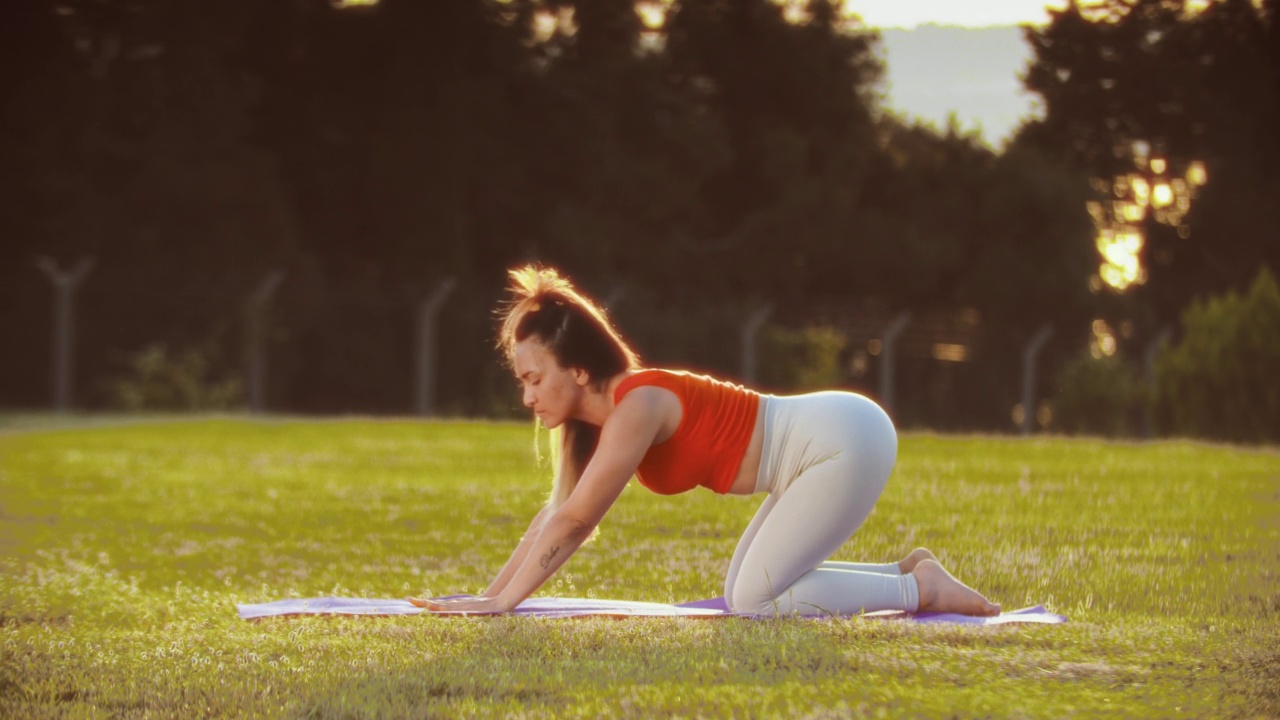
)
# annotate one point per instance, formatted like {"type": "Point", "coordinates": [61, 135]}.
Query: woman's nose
{"type": "Point", "coordinates": [527, 397]}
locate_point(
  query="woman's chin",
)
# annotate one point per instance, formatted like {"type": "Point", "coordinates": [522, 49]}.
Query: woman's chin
{"type": "Point", "coordinates": [550, 423]}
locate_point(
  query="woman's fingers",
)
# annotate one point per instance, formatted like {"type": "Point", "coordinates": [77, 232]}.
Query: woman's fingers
{"type": "Point", "coordinates": [434, 605]}
{"type": "Point", "coordinates": [455, 605]}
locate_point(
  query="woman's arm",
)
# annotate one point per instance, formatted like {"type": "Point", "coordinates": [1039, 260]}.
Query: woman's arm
{"type": "Point", "coordinates": [624, 439]}
{"type": "Point", "coordinates": [517, 556]}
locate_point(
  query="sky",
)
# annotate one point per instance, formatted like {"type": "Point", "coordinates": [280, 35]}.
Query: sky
{"type": "Point", "coordinates": [982, 13]}
{"type": "Point", "coordinates": [931, 75]}
{"type": "Point", "coordinates": [934, 71]}
{"type": "Point", "coordinates": [978, 13]}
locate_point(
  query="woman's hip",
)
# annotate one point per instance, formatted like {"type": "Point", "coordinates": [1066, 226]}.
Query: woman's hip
{"type": "Point", "coordinates": [824, 427]}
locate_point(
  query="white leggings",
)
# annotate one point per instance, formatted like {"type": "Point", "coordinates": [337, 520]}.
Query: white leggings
{"type": "Point", "coordinates": [826, 459]}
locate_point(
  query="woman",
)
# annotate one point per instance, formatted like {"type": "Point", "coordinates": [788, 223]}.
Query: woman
{"type": "Point", "coordinates": [822, 459]}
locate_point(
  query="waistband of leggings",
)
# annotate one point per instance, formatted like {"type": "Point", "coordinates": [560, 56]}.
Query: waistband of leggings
{"type": "Point", "coordinates": [765, 474]}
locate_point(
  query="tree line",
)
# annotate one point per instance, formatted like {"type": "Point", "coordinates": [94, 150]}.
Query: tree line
{"type": "Point", "coordinates": [736, 153]}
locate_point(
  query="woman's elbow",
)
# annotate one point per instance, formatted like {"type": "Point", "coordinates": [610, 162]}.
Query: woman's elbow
{"type": "Point", "coordinates": [575, 528]}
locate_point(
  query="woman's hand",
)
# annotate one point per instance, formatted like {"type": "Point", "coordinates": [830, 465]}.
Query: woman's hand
{"type": "Point", "coordinates": [464, 605]}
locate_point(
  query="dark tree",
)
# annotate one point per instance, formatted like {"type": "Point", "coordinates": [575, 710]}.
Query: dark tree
{"type": "Point", "coordinates": [1148, 87]}
{"type": "Point", "coordinates": [796, 105]}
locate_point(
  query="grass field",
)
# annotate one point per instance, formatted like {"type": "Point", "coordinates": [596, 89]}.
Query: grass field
{"type": "Point", "coordinates": [124, 548]}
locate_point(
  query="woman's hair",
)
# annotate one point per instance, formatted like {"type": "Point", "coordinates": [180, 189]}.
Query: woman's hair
{"type": "Point", "coordinates": [546, 306]}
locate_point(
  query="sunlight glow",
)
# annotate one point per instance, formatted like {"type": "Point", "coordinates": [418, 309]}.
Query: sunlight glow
{"type": "Point", "coordinates": [652, 13]}
{"type": "Point", "coordinates": [913, 13]}
{"type": "Point", "coordinates": [1196, 174]}
{"type": "Point", "coordinates": [1121, 250]}
{"type": "Point", "coordinates": [1119, 222]}
{"type": "Point", "coordinates": [1095, 212]}
{"type": "Point", "coordinates": [1141, 189]}
{"type": "Point", "coordinates": [1102, 342]}
{"type": "Point", "coordinates": [1044, 414]}
{"type": "Point", "coordinates": [547, 24]}
{"type": "Point", "coordinates": [544, 25]}
{"type": "Point", "coordinates": [893, 13]}
{"type": "Point", "coordinates": [950, 352]}
{"type": "Point", "coordinates": [1095, 10]}
{"type": "Point", "coordinates": [795, 12]}
{"type": "Point", "coordinates": [1162, 196]}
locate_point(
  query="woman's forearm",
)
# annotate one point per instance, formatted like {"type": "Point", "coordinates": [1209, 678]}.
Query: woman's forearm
{"type": "Point", "coordinates": [517, 556]}
{"type": "Point", "coordinates": [559, 537]}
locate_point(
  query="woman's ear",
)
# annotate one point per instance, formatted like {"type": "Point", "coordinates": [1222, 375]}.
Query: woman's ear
{"type": "Point", "coordinates": [581, 377]}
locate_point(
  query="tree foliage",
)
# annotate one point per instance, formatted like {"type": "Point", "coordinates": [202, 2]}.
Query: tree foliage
{"type": "Point", "coordinates": [1220, 380]}
{"type": "Point", "coordinates": [1126, 80]}
{"type": "Point", "coordinates": [737, 154]}
{"type": "Point", "coordinates": [1097, 396]}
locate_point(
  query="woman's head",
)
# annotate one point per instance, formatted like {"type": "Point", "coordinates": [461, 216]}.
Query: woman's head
{"type": "Point", "coordinates": [545, 308]}
{"type": "Point", "coordinates": [559, 343]}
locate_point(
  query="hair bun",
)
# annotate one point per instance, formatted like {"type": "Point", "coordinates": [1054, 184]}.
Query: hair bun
{"type": "Point", "coordinates": [535, 283]}
{"type": "Point", "coordinates": [531, 289]}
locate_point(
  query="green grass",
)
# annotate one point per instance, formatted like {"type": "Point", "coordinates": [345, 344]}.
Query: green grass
{"type": "Point", "coordinates": [125, 547]}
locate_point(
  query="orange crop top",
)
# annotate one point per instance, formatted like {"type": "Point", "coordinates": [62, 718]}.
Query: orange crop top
{"type": "Point", "coordinates": [716, 423]}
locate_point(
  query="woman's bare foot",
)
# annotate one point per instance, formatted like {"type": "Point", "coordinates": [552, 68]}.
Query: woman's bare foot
{"type": "Point", "coordinates": [940, 592]}
{"type": "Point", "coordinates": [913, 558]}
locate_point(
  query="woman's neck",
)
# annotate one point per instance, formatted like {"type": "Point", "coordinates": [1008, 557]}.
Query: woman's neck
{"type": "Point", "coordinates": [598, 404]}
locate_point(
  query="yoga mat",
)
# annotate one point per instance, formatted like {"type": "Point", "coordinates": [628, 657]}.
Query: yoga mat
{"type": "Point", "coordinates": [1034, 614]}
{"type": "Point", "coordinates": [583, 607]}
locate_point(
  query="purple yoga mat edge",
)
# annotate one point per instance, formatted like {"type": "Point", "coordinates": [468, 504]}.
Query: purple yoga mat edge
{"type": "Point", "coordinates": [579, 607]}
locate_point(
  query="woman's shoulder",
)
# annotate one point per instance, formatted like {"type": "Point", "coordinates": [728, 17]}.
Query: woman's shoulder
{"type": "Point", "coordinates": [645, 377]}
{"type": "Point", "coordinates": [678, 381]}
{"type": "Point", "coordinates": [651, 390]}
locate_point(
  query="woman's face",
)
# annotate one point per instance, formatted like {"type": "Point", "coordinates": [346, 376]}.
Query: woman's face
{"type": "Point", "coordinates": [552, 392]}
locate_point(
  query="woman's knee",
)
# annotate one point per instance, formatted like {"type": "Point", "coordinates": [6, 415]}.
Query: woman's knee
{"type": "Point", "coordinates": [730, 581]}
{"type": "Point", "coordinates": [751, 593]}
{"type": "Point", "coordinates": [748, 603]}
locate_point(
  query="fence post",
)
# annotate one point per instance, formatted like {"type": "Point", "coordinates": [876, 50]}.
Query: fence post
{"type": "Point", "coordinates": [425, 365]}
{"type": "Point", "coordinates": [65, 285]}
{"type": "Point", "coordinates": [256, 345]}
{"type": "Point", "coordinates": [751, 329]}
{"type": "Point", "coordinates": [888, 358]}
{"type": "Point", "coordinates": [1149, 375]}
{"type": "Point", "coordinates": [1029, 355]}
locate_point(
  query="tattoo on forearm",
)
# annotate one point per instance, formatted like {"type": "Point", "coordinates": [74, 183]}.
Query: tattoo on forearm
{"type": "Point", "coordinates": [545, 561]}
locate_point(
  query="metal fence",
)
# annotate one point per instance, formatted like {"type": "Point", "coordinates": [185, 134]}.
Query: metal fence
{"type": "Point", "coordinates": [430, 352]}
